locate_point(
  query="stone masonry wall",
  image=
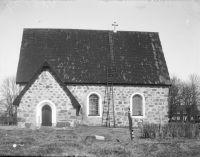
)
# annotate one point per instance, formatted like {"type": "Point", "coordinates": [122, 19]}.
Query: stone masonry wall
{"type": "Point", "coordinates": [45, 87]}
{"type": "Point", "coordinates": [156, 104]}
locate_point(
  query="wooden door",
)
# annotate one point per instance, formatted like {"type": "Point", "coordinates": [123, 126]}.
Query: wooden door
{"type": "Point", "coordinates": [46, 116]}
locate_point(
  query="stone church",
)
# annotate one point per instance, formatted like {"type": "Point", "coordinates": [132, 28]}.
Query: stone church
{"type": "Point", "coordinates": [91, 77]}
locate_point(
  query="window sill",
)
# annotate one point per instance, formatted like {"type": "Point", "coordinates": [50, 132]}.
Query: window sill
{"type": "Point", "coordinates": [94, 115]}
{"type": "Point", "coordinates": [138, 116]}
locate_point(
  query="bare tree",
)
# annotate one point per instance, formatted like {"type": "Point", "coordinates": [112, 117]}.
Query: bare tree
{"type": "Point", "coordinates": [195, 92]}
{"type": "Point", "coordinates": [8, 92]}
{"type": "Point", "coordinates": [187, 98]}
{"type": "Point", "coordinates": [174, 99]}
{"type": "Point", "coordinates": [190, 94]}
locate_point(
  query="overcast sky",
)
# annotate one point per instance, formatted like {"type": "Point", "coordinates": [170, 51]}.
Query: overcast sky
{"type": "Point", "coordinates": [178, 24]}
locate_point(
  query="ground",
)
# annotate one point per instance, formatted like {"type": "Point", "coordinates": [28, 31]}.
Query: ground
{"type": "Point", "coordinates": [72, 141]}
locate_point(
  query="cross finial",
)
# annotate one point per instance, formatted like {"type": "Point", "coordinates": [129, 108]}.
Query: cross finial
{"type": "Point", "coordinates": [115, 26]}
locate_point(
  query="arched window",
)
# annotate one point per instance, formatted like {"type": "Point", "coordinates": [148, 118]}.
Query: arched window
{"type": "Point", "coordinates": [137, 105]}
{"type": "Point", "coordinates": [94, 105]}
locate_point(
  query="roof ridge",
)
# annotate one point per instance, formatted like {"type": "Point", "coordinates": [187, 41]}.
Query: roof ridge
{"type": "Point", "coordinates": [87, 30]}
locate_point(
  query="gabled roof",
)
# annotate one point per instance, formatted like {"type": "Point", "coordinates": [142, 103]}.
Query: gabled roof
{"type": "Point", "coordinates": [82, 56]}
{"type": "Point", "coordinates": [45, 66]}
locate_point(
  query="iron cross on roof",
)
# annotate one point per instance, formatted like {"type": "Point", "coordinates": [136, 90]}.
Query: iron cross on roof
{"type": "Point", "coordinates": [115, 26]}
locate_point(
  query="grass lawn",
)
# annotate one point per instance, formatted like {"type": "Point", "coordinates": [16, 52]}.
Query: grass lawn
{"type": "Point", "coordinates": [69, 142]}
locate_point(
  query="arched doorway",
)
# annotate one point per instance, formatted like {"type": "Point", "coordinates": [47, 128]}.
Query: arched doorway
{"type": "Point", "coordinates": [46, 116]}
{"type": "Point", "coordinates": [39, 114]}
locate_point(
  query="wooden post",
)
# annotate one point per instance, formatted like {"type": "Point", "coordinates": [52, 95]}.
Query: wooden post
{"type": "Point", "coordinates": [130, 124]}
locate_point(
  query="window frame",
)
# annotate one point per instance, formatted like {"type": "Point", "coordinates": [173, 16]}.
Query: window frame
{"type": "Point", "coordinates": [143, 105]}
{"type": "Point", "coordinates": [99, 104]}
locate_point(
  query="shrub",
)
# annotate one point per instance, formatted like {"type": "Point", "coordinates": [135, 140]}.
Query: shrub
{"type": "Point", "coordinates": [186, 130]}
{"type": "Point", "coordinates": [149, 130]}
{"type": "Point", "coordinates": [165, 130]}
{"type": "Point", "coordinates": [196, 130]}
{"type": "Point", "coordinates": [181, 131]}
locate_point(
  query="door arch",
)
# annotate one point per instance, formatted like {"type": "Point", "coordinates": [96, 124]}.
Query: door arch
{"type": "Point", "coordinates": [39, 107]}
